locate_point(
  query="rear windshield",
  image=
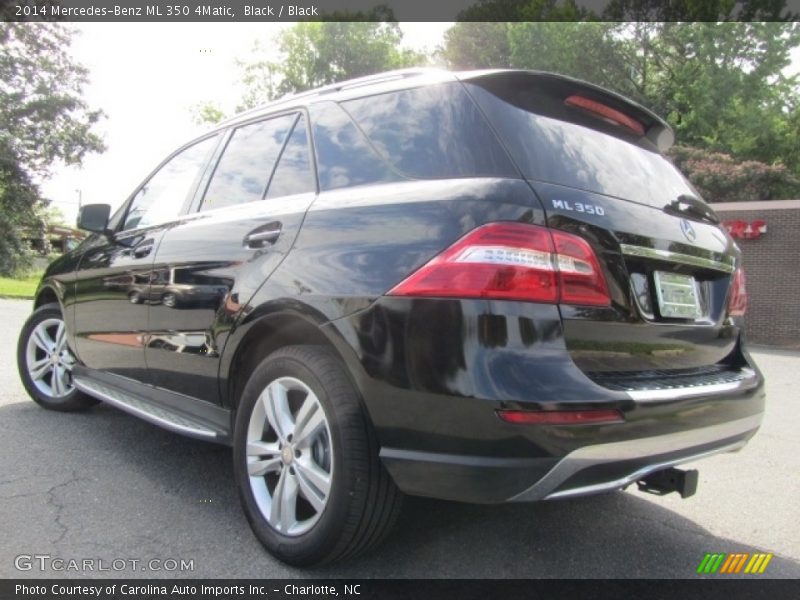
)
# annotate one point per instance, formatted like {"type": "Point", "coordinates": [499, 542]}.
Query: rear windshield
{"type": "Point", "coordinates": [571, 153]}
{"type": "Point", "coordinates": [431, 132]}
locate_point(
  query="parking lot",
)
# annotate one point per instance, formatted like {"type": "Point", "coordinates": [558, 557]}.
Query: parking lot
{"type": "Point", "coordinates": [105, 485]}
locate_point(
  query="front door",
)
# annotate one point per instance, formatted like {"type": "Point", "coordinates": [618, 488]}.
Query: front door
{"type": "Point", "coordinates": [115, 276]}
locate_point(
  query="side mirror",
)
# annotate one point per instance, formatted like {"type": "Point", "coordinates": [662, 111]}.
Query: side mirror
{"type": "Point", "coordinates": [94, 217]}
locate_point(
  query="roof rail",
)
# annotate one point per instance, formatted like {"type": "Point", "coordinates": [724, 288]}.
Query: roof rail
{"type": "Point", "coordinates": [336, 87]}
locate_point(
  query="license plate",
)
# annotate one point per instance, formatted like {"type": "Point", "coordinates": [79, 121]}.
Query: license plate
{"type": "Point", "coordinates": [677, 295]}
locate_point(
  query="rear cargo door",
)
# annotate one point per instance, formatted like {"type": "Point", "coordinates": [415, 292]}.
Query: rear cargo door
{"type": "Point", "coordinates": [595, 161]}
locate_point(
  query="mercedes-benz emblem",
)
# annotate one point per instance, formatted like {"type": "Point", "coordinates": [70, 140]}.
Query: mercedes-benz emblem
{"type": "Point", "coordinates": [688, 230]}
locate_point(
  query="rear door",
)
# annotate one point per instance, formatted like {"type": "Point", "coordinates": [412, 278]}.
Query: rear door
{"type": "Point", "coordinates": [210, 264]}
{"type": "Point", "coordinates": [594, 160]}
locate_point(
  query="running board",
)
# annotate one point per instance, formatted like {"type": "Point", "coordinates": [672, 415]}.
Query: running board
{"type": "Point", "coordinates": [154, 411]}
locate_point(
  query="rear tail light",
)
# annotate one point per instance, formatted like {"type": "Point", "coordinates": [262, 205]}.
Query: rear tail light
{"type": "Point", "coordinates": [608, 114]}
{"type": "Point", "coordinates": [513, 261]}
{"type": "Point", "coordinates": [582, 281]}
{"type": "Point", "coordinates": [737, 300]}
{"type": "Point", "coordinates": [561, 417]}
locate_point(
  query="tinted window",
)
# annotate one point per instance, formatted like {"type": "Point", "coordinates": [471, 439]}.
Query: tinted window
{"type": "Point", "coordinates": [573, 154]}
{"type": "Point", "coordinates": [430, 132]}
{"type": "Point", "coordinates": [293, 175]}
{"type": "Point", "coordinates": [163, 196]}
{"type": "Point", "coordinates": [244, 170]}
{"type": "Point", "coordinates": [344, 157]}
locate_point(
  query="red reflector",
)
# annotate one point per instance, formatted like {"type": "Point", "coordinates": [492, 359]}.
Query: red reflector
{"type": "Point", "coordinates": [737, 301]}
{"type": "Point", "coordinates": [563, 417]}
{"type": "Point", "coordinates": [581, 279]}
{"type": "Point", "coordinates": [606, 113]}
{"type": "Point", "coordinates": [512, 261]}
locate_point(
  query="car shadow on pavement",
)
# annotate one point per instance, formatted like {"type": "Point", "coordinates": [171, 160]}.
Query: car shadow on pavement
{"type": "Point", "coordinates": [104, 484]}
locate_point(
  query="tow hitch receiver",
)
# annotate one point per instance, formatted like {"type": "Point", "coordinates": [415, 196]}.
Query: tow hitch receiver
{"type": "Point", "coordinates": [670, 480]}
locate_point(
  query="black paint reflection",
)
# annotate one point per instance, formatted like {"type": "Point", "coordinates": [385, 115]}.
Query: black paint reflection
{"type": "Point", "coordinates": [470, 348]}
{"type": "Point", "coordinates": [188, 287]}
{"type": "Point", "coordinates": [431, 132]}
{"type": "Point", "coordinates": [187, 342]}
{"type": "Point", "coordinates": [109, 327]}
{"type": "Point", "coordinates": [344, 158]}
{"type": "Point", "coordinates": [174, 288]}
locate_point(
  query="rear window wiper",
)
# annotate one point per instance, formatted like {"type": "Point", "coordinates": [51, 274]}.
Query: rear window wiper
{"type": "Point", "coordinates": [689, 206]}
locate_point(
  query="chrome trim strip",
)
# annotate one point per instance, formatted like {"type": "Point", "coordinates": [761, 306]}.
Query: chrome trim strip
{"type": "Point", "coordinates": [748, 380]}
{"type": "Point", "coordinates": [87, 387]}
{"type": "Point", "coordinates": [632, 449]}
{"type": "Point", "coordinates": [398, 454]}
{"type": "Point", "coordinates": [643, 472]}
{"type": "Point", "coordinates": [726, 265]}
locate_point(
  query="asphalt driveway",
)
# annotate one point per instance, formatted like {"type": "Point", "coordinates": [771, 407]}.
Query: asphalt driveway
{"type": "Point", "coordinates": [106, 486]}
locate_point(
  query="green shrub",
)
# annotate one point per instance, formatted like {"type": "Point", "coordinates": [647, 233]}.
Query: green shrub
{"type": "Point", "coordinates": [719, 177]}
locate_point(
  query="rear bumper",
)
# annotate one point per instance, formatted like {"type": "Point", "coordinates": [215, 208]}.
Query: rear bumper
{"type": "Point", "coordinates": [433, 375]}
{"type": "Point", "coordinates": [626, 462]}
{"type": "Point", "coordinates": [590, 469]}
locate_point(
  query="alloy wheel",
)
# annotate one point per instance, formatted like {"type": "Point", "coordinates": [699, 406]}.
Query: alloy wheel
{"type": "Point", "coordinates": [49, 360]}
{"type": "Point", "coordinates": [289, 456]}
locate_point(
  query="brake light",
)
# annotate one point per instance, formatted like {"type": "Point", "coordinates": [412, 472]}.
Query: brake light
{"type": "Point", "coordinates": [608, 114]}
{"type": "Point", "coordinates": [737, 301]}
{"type": "Point", "coordinates": [561, 417]}
{"type": "Point", "coordinates": [512, 261]}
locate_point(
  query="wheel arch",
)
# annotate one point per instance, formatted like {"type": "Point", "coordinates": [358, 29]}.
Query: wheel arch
{"type": "Point", "coordinates": [46, 295]}
{"type": "Point", "coordinates": [259, 337]}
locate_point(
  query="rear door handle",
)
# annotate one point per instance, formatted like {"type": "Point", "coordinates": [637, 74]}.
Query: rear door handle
{"type": "Point", "coordinates": [143, 249]}
{"type": "Point", "coordinates": [268, 234]}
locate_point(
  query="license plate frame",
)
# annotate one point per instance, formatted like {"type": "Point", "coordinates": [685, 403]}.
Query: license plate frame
{"type": "Point", "coordinates": [678, 295]}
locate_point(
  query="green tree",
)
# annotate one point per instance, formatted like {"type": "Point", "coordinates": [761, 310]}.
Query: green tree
{"type": "Point", "coordinates": [721, 178]}
{"type": "Point", "coordinates": [589, 51]}
{"type": "Point", "coordinates": [475, 45]}
{"type": "Point", "coordinates": [18, 196]}
{"type": "Point", "coordinates": [43, 119]}
{"type": "Point", "coordinates": [697, 10]}
{"type": "Point", "coordinates": [503, 33]}
{"type": "Point", "coordinates": [628, 10]}
{"type": "Point", "coordinates": [722, 87]}
{"type": "Point", "coordinates": [525, 10]}
{"type": "Point", "coordinates": [207, 112]}
{"type": "Point", "coordinates": [312, 54]}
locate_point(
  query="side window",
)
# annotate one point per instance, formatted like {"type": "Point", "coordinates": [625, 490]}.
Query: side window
{"type": "Point", "coordinates": [244, 170]}
{"type": "Point", "coordinates": [344, 157]}
{"type": "Point", "coordinates": [435, 131]}
{"type": "Point", "coordinates": [164, 194]}
{"type": "Point", "coordinates": [293, 175]}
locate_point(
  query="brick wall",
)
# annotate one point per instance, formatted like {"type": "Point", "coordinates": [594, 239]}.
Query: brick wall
{"type": "Point", "coordinates": [772, 265]}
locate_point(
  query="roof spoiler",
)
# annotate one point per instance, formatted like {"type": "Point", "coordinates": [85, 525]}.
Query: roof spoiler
{"type": "Point", "coordinates": [655, 128]}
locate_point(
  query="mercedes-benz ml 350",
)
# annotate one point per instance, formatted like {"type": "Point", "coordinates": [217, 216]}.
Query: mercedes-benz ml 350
{"type": "Point", "coordinates": [486, 287]}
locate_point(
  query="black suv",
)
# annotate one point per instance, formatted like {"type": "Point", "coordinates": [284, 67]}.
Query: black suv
{"type": "Point", "coordinates": [486, 287]}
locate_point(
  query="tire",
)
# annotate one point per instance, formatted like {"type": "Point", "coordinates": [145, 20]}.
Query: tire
{"type": "Point", "coordinates": [45, 362]}
{"type": "Point", "coordinates": [362, 502]}
{"type": "Point", "coordinates": [169, 300]}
